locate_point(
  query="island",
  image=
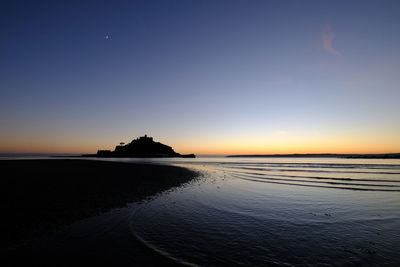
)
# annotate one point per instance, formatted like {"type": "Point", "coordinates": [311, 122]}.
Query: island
{"type": "Point", "coordinates": [141, 147]}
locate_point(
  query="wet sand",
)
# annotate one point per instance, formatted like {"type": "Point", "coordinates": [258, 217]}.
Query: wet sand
{"type": "Point", "coordinates": [39, 197]}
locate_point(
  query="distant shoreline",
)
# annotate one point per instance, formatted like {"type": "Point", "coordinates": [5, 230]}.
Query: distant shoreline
{"type": "Point", "coordinates": [323, 155]}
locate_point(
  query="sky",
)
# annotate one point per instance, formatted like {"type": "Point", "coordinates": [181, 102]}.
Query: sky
{"type": "Point", "coordinates": [205, 77]}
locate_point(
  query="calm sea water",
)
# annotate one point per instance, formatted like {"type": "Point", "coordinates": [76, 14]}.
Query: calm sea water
{"type": "Point", "coordinates": [278, 211]}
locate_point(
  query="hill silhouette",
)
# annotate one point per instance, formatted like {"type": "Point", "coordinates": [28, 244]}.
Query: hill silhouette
{"type": "Point", "coordinates": [141, 147]}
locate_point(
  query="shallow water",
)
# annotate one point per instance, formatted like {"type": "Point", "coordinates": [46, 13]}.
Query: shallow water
{"type": "Point", "coordinates": [253, 211]}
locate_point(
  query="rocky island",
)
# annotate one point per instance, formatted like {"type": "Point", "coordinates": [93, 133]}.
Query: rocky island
{"type": "Point", "coordinates": [142, 147]}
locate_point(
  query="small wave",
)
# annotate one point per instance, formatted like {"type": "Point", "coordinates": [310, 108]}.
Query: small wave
{"type": "Point", "coordinates": [321, 186]}
{"type": "Point", "coordinates": [154, 248]}
{"type": "Point", "coordinates": [319, 177]}
{"type": "Point", "coordinates": [322, 182]}
{"type": "Point", "coordinates": [311, 170]}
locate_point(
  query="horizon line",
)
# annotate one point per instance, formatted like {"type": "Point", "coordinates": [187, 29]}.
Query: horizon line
{"type": "Point", "coordinates": [5, 154]}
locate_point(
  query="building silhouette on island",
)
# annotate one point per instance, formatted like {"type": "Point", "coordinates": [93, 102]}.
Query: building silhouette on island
{"type": "Point", "coordinates": [141, 147]}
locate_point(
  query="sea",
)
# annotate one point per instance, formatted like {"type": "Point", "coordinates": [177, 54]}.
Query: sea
{"type": "Point", "coordinates": [275, 212]}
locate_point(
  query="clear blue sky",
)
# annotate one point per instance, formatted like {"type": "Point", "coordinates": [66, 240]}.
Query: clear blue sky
{"type": "Point", "coordinates": [213, 77]}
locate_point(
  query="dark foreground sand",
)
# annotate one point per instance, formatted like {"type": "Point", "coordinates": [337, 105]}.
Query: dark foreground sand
{"type": "Point", "coordinates": [38, 197]}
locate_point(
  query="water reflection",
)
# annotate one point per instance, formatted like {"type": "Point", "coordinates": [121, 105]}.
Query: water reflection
{"type": "Point", "coordinates": [281, 211]}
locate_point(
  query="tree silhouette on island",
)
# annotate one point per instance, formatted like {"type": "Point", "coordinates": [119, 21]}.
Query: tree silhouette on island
{"type": "Point", "coordinates": [141, 147]}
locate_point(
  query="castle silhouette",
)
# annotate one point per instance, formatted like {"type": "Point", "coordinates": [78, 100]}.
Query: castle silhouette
{"type": "Point", "coordinates": [141, 147]}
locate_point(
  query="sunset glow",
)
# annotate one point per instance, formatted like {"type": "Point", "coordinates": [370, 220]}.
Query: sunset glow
{"type": "Point", "coordinates": [214, 77]}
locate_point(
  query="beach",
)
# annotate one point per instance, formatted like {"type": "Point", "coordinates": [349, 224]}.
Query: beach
{"type": "Point", "coordinates": [39, 197]}
{"type": "Point", "coordinates": [150, 212]}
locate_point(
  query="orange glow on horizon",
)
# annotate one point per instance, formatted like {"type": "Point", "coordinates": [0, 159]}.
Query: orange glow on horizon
{"type": "Point", "coordinates": [216, 146]}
